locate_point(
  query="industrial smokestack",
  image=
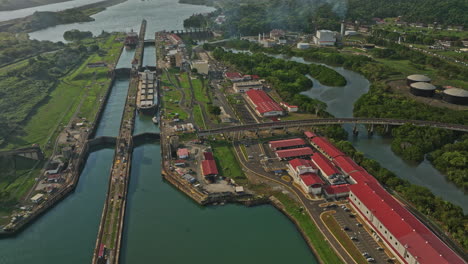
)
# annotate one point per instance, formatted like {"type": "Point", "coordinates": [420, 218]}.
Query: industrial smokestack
{"type": "Point", "coordinates": [263, 36]}
{"type": "Point", "coordinates": [259, 37]}
{"type": "Point", "coordinates": [342, 29]}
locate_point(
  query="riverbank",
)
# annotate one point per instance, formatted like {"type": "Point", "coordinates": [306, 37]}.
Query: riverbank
{"type": "Point", "coordinates": [42, 20]}
{"type": "Point", "coordinates": [84, 109]}
{"type": "Point", "coordinates": [7, 5]}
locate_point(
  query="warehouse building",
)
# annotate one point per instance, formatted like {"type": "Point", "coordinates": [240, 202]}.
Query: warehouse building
{"type": "Point", "coordinates": [288, 154]}
{"type": "Point", "coordinates": [242, 87]}
{"type": "Point", "coordinates": [311, 183]}
{"type": "Point", "coordinates": [407, 238]}
{"type": "Point", "coordinates": [325, 147]}
{"type": "Point", "coordinates": [287, 143]}
{"type": "Point", "coordinates": [346, 164]}
{"type": "Point", "coordinates": [336, 191]}
{"type": "Point", "coordinates": [263, 104]}
{"type": "Point", "coordinates": [422, 89]}
{"type": "Point", "coordinates": [209, 169]}
{"type": "Point", "coordinates": [327, 169]}
{"type": "Point", "coordinates": [325, 38]}
{"type": "Point", "coordinates": [456, 96]}
{"type": "Point", "coordinates": [417, 78]}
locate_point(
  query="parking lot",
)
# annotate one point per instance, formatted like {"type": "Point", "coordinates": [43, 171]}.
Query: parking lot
{"type": "Point", "coordinates": [364, 241]}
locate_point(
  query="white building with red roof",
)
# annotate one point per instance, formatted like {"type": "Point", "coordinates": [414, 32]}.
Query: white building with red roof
{"type": "Point", "coordinates": [183, 153]}
{"type": "Point", "coordinates": [408, 239]}
{"type": "Point", "coordinates": [325, 147]}
{"type": "Point", "coordinates": [336, 191]}
{"type": "Point", "coordinates": [209, 169]}
{"type": "Point", "coordinates": [287, 154]}
{"type": "Point", "coordinates": [234, 76]}
{"type": "Point", "coordinates": [305, 174]}
{"type": "Point", "coordinates": [263, 104]}
{"type": "Point", "coordinates": [326, 167]}
{"type": "Point", "coordinates": [290, 108]}
{"type": "Point", "coordinates": [287, 143]}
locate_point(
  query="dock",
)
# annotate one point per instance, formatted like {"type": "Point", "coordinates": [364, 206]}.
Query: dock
{"type": "Point", "coordinates": [109, 238]}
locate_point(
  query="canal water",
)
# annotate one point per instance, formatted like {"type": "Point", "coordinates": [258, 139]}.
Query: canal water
{"type": "Point", "coordinates": [164, 225]}
{"type": "Point", "coordinates": [160, 14]}
{"type": "Point", "coordinates": [67, 233]}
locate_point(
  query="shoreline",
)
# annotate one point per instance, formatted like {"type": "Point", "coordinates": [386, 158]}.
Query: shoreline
{"type": "Point", "coordinates": [31, 5]}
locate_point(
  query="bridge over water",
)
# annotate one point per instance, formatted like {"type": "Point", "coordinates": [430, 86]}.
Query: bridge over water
{"type": "Point", "coordinates": [333, 121]}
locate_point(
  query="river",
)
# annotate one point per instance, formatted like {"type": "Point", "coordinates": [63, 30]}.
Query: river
{"type": "Point", "coordinates": [160, 14]}
{"type": "Point", "coordinates": [340, 102]}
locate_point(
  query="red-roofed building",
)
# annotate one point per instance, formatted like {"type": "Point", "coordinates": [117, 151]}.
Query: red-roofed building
{"type": "Point", "coordinates": [209, 169]}
{"type": "Point", "coordinates": [407, 238]}
{"type": "Point", "coordinates": [290, 108]}
{"type": "Point", "coordinates": [336, 191]}
{"type": "Point", "coordinates": [53, 177]}
{"type": "Point", "coordinates": [287, 154]}
{"type": "Point", "coordinates": [287, 143]}
{"type": "Point", "coordinates": [179, 163]}
{"type": "Point", "coordinates": [263, 104]}
{"type": "Point", "coordinates": [346, 164]}
{"type": "Point", "coordinates": [234, 76]}
{"type": "Point", "coordinates": [327, 148]}
{"type": "Point", "coordinates": [324, 165]}
{"type": "Point", "coordinates": [311, 183]}
{"type": "Point", "coordinates": [183, 153]}
{"type": "Point", "coordinates": [310, 135]}
{"type": "Point", "coordinates": [300, 166]}
{"type": "Point", "coordinates": [361, 177]}
{"type": "Point", "coordinates": [208, 155]}
{"type": "Point", "coordinates": [251, 77]}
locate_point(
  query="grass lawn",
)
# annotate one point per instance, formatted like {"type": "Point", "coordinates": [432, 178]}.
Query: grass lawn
{"type": "Point", "coordinates": [228, 165]}
{"type": "Point", "coordinates": [198, 117]}
{"type": "Point", "coordinates": [171, 99]}
{"type": "Point", "coordinates": [50, 117]}
{"type": "Point", "coordinates": [344, 239]}
{"type": "Point", "coordinates": [324, 251]}
{"type": "Point", "coordinates": [200, 93]}
{"type": "Point", "coordinates": [298, 116]}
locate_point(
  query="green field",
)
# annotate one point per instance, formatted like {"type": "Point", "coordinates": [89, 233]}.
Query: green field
{"type": "Point", "coordinates": [200, 93]}
{"type": "Point", "coordinates": [321, 246]}
{"type": "Point", "coordinates": [344, 239]}
{"type": "Point", "coordinates": [198, 117]}
{"type": "Point", "coordinates": [228, 166]}
{"type": "Point", "coordinates": [171, 99]}
{"type": "Point", "coordinates": [51, 116]}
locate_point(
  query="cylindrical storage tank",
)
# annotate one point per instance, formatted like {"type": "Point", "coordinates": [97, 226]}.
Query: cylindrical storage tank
{"type": "Point", "coordinates": [422, 89]}
{"type": "Point", "coordinates": [456, 96]}
{"type": "Point", "coordinates": [417, 78]}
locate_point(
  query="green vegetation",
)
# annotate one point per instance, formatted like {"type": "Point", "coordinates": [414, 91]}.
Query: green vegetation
{"type": "Point", "coordinates": [41, 20]}
{"type": "Point", "coordinates": [321, 246]}
{"type": "Point", "coordinates": [329, 220]}
{"type": "Point", "coordinates": [412, 143]}
{"type": "Point", "coordinates": [449, 216]}
{"type": "Point", "coordinates": [452, 160]}
{"type": "Point", "coordinates": [76, 35]}
{"type": "Point", "coordinates": [198, 117]}
{"type": "Point", "coordinates": [446, 12]}
{"type": "Point", "coordinates": [15, 179]}
{"type": "Point", "coordinates": [228, 165]}
{"type": "Point", "coordinates": [16, 47]}
{"type": "Point", "coordinates": [287, 77]}
{"type": "Point", "coordinates": [322, 73]}
{"type": "Point", "coordinates": [172, 98]}
{"type": "Point", "coordinates": [37, 115]}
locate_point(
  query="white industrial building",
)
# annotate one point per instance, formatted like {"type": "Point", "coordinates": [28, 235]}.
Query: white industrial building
{"type": "Point", "coordinates": [325, 38]}
{"type": "Point", "coordinates": [242, 87]}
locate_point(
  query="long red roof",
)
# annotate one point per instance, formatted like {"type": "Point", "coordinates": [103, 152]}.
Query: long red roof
{"type": "Point", "coordinates": [327, 147]}
{"type": "Point", "coordinates": [309, 134]}
{"type": "Point", "coordinates": [233, 75]}
{"type": "Point", "coordinates": [324, 164]}
{"type": "Point", "coordinates": [404, 226]}
{"type": "Point", "coordinates": [263, 103]}
{"type": "Point", "coordinates": [287, 143]}
{"type": "Point", "coordinates": [346, 164]}
{"type": "Point", "coordinates": [208, 155]}
{"type": "Point", "coordinates": [297, 152]}
{"type": "Point", "coordinates": [336, 189]}
{"type": "Point", "coordinates": [209, 167]}
{"type": "Point", "coordinates": [310, 179]}
{"type": "Point", "coordinates": [301, 162]}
